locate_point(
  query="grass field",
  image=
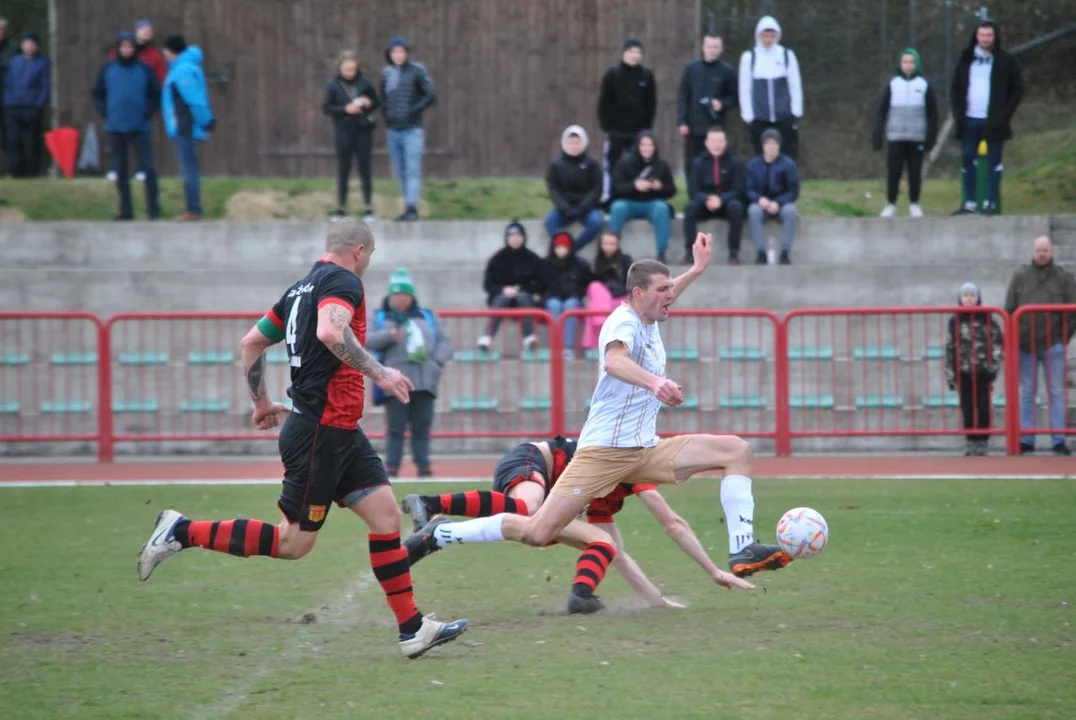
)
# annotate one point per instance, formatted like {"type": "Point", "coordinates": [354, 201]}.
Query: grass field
{"type": "Point", "coordinates": [1040, 177]}
{"type": "Point", "coordinates": [935, 599]}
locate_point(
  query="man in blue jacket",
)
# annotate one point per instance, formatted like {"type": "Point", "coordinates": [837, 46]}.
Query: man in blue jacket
{"type": "Point", "coordinates": [26, 96]}
{"type": "Point", "coordinates": [126, 95]}
{"type": "Point", "coordinates": [188, 119]}
{"type": "Point", "coordinates": [773, 186]}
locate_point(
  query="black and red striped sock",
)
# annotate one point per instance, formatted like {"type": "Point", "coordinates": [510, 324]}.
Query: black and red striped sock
{"type": "Point", "coordinates": [480, 503]}
{"type": "Point", "coordinates": [591, 567]}
{"type": "Point", "coordinates": [240, 537]}
{"type": "Point", "coordinates": [389, 561]}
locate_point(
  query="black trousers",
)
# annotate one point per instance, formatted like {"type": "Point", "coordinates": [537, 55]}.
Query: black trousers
{"type": "Point", "coordinates": [25, 136]}
{"type": "Point", "coordinates": [357, 145]}
{"type": "Point", "coordinates": [901, 154]}
{"type": "Point", "coordinates": [693, 147]}
{"type": "Point", "coordinates": [975, 402]}
{"type": "Point", "coordinates": [733, 212]}
{"type": "Point", "coordinates": [790, 135]}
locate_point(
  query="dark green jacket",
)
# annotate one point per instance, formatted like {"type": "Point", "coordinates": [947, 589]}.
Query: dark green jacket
{"type": "Point", "coordinates": [1047, 285]}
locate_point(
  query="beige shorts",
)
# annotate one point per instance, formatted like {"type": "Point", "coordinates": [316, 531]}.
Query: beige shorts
{"type": "Point", "coordinates": [594, 472]}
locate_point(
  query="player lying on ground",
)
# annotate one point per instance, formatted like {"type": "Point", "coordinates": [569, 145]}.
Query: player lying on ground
{"type": "Point", "coordinates": [521, 482]}
{"type": "Point", "coordinates": [327, 458]}
{"type": "Point", "coordinates": [619, 442]}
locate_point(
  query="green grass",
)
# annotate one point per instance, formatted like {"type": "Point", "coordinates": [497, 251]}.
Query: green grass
{"type": "Point", "coordinates": [935, 599]}
{"type": "Point", "coordinates": [1040, 179]}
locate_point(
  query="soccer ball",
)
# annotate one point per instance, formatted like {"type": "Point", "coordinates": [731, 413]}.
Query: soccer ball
{"type": "Point", "coordinates": [802, 533]}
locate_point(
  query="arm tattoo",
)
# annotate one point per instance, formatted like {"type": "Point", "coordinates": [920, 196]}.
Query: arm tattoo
{"type": "Point", "coordinates": [338, 318]}
{"type": "Point", "coordinates": [352, 353]}
{"type": "Point", "coordinates": [256, 379]}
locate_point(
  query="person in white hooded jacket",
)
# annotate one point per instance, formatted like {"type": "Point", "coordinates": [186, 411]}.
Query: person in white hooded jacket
{"type": "Point", "coordinates": [574, 182]}
{"type": "Point", "coordinates": [771, 90]}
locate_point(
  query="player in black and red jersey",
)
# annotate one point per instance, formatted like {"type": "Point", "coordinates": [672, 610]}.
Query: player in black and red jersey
{"type": "Point", "coordinates": [327, 457]}
{"type": "Point", "coordinates": [521, 481]}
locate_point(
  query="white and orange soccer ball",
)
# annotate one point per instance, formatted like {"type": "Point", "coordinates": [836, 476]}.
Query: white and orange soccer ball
{"type": "Point", "coordinates": [802, 533]}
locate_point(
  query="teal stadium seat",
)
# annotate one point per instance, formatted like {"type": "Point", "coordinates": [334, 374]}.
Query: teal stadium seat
{"type": "Point", "coordinates": [143, 357]}
{"type": "Point", "coordinates": [939, 401]}
{"type": "Point", "coordinates": [536, 403]}
{"type": "Point", "coordinates": [11, 359]}
{"type": "Point", "coordinates": [473, 404]}
{"type": "Point", "coordinates": [9, 407]}
{"type": "Point", "coordinates": [741, 402]}
{"type": "Point", "coordinates": [681, 354]}
{"type": "Point", "coordinates": [146, 406]}
{"type": "Point", "coordinates": [876, 352]}
{"type": "Point", "coordinates": [747, 353]}
{"type": "Point", "coordinates": [811, 402]}
{"type": "Point", "coordinates": [276, 356]}
{"type": "Point", "coordinates": [876, 402]}
{"type": "Point", "coordinates": [933, 352]}
{"type": "Point", "coordinates": [810, 352]}
{"type": "Point", "coordinates": [211, 357]}
{"type": "Point", "coordinates": [74, 358]}
{"type": "Point", "coordinates": [66, 407]}
{"type": "Point", "coordinates": [471, 355]}
{"type": "Point", "coordinates": [203, 405]}
{"type": "Point", "coordinates": [691, 402]}
{"type": "Point", "coordinates": [538, 355]}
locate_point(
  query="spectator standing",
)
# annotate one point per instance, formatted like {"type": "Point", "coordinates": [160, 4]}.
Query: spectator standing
{"type": "Point", "coordinates": [609, 286]}
{"type": "Point", "coordinates": [188, 118]}
{"type": "Point", "coordinates": [512, 281]}
{"type": "Point", "coordinates": [627, 103]}
{"type": "Point", "coordinates": [973, 353]}
{"type": "Point", "coordinates": [907, 116]}
{"type": "Point", "coordinates": [563, 278]}
{"type": "Point", "coordinates": [708, 90]}
{"type": "Point", "coordinates": [350, 100]}
{"type": "Point", "coordinates": [26, 97]}
{"type": "Point", "coordinates": [986, 90]}
{"type": "Point", "coordinates": [407, 91]}
{"type": "Point", "coordinates": [773, 186]}
{"type": "Point", "coordinates": [574, 183]}
{"type": "Point", "coordinates": [409, 338]}
{"type": "Point", "coordinates": [771, 90]}
{"type": "Point", "coordinates": [716, 188]}
{"type": "Point", "coordinates": [127, 95]}
{"type": "Point", "coordinates": [147, 52]}
{"type": "Point", "coordinates": [642, 184]}
{"type": "Point", "coordinates": [1043, 338]}
{"type": "Point", "coordinates": [5, 57]}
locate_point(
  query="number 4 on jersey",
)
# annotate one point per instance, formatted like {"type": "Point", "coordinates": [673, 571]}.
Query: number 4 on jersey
{"type": "Point", "coordinates": [290, 336]}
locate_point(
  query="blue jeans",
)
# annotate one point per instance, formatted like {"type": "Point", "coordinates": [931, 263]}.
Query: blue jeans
{"type": "Point", "coordinates": [973, 133]}
{"type": "Point", "coordinates": [593, 222]}
{"type": "Point", "coordinates": [187, 154]}
{"type": "Point", "coordinates": [143, 147]}
{"type": "Point", "coordinates": [1053, 362]}
{"type": "Point", "coordinates": [555, 306]}
{"type": "Point", "coordinates": [656, 211]}
{"type": "Point", "coordinates": [405, 149]}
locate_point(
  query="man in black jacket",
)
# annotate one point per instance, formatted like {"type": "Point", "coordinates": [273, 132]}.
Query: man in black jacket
{"type": "Point", "coordinates": [642, 184]}
{"type": "Point", "coordinates": [627, 103]}
{"type": "Point", "coordinates": [708, 89]}
{"type": "Point", "coordinates": [716, 186]}
{"type": "Point", "coordinates": [574, 182]}
{"type": "Point", "coordinates": [406, 92]}
{"type": "Point", "coordinates": [986, 90]}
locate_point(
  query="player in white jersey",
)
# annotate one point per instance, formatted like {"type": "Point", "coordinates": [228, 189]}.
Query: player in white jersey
{"type": "Point", "coordinates": [619, 443]}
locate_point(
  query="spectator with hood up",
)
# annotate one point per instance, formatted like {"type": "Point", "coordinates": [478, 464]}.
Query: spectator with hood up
{"type": "Point", "coordinates": [642, 183]}
{"type": "Point", "coordinates": [771, 90]}
{"type": "Point", "coordinates": [563, 278]}
{"type": "Point", "coordinates": [188, 119]}
{"type": "Point", "coordinates": [512, 281]}
{"type": "Point", "coordinates": [407, 92]}
{"type": "Point", "coordinates": [574, 182]}
{"type": "Point", "coordinates": [973, 354]}
{"type": "Point", "coordinates": [146, 51]}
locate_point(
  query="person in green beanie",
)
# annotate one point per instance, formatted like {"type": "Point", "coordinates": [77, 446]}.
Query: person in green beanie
{"type": "Point", "coordinates": [409, 338]}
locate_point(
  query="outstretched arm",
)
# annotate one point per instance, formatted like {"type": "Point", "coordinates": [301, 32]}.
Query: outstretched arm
{"type": "Point", "coordinates": [631, 571]}
{"type": "Point", "coordinates": [334, 331]}
{"type": "Point", "coordinates": [701, 252]}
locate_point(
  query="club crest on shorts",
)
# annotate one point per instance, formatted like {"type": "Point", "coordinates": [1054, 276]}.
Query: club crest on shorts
{"type": "Point", "coordinates": [316, 513]}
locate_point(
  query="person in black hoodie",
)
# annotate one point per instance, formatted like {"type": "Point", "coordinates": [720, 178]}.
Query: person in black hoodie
{"type": "Point", "coordinates": [563, 278]}
{"type": "Point", "coordinates": [986, 90]}
{"type": "Point", "coordinates": [709, 88]}
{"type": "Point", "coordinates": [574, 182]}
{"type": "Point", "coordinates": [716, 187]}
{"type": "Point", "coordinates": [511, 281]}
{"type": "Point", "coordinates": [350, 100]}
{"type": "Point", "coordinates": [627, 103]}
{"type": "Point", "coordinates": [609, 286]}
{"type": "Point", "coordinates": [973, 354]}
{"type": "Point", "coordinates": [642, 182]}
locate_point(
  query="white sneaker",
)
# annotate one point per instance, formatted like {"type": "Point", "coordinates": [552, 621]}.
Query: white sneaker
{"type": "Point", "coordinates": [111, 176]}
{"type": "Point", "coordinates": [915, 211]}
{"type": "Point", "coordinates": [484, 343]}
{"type": "Point", "coordinates": [430, 635]}
{"type": "Point", "coordinates": [162, 544]}
{"type": "Point", "coordinates": [530, 342]}
{"type": "Point", "coordinates": [889, 210]}
{"type": "Point", "coordinates": [140, 176]}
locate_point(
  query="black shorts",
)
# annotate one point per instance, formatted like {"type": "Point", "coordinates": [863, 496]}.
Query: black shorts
{"type": "Point", "coordinates": [517, 466]}
{"type": "Point", "coordinates": [323, 465]}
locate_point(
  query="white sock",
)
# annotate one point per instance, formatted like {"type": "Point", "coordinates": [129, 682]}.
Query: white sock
{"type": "Point", "coordinates": [479, 530]}
{"type": "Point", "coordinates": [739, 506]}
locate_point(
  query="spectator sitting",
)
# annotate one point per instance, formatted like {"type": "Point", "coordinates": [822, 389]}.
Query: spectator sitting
{"type": "Point", "coordinates": [608, 288]}
{"type": "Point", "coordinates": [350, 100]}
{"type": "Point", "coordinates": [574, 182]}
{"type": "Point", "coordinates": [127, 95]}
{"type": "Point", "coordinates": [771, 89]}
{"type": "Point", "coordinates": [908, 115]}
{"type": "Point", "coordinates": [27, 85]}
{"type": "Point", "coordinates": [973, 352]}
{"type": "Point", "coordinates": [642, 182]}
{"type": "Point", "coordinates": [563, 278]}
{"type": "Point", "coordinates": [188, 119]}
{"type": "Point", "coordinates": [773, 185]}
{"type": "Point", "coordinates": [409, 338]}
{"type": "Point", "coordinates": [716, 190]}
{"type": "Point", "coordinates": [1042, 338]}
{"type": "Point", "coordinates": [627, 104]}
{"type": "Point", "coordinates": [511, 281]}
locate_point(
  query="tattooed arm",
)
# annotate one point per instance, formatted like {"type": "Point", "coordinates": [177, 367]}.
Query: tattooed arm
{"type": "Point", "coordinates": [334, 331]}
{"type": "Point", "coordinates": [253, 347]}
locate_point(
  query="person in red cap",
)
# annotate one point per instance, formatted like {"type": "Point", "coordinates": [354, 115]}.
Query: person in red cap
{"type": "Point", "coordinates": [563, 277]}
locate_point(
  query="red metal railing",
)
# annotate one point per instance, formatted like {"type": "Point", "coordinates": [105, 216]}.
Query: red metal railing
{"type": "Point", "coordinates": [1039, 340]}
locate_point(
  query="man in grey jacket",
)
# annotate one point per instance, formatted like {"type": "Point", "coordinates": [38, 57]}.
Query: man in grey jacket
{"type": "Point", "coordinates": [408, 337]}
{"type": "Point", "coordinates": [406, 92]}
